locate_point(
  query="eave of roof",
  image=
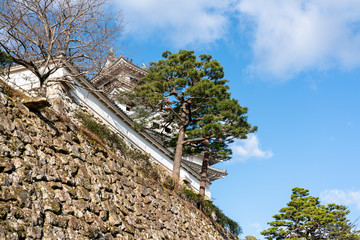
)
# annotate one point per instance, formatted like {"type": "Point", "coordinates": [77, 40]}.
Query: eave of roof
{"type": "Point", "coordinates": [213, 173]}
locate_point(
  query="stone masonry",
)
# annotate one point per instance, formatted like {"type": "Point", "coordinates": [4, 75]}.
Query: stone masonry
{"type": "Point", "coordinates": [56, 183]}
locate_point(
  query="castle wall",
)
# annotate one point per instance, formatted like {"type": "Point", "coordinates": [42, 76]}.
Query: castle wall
{"type": "Point", "coordinates": [56, 183]}
{"type": "Point", "coordinates": [109, 118]}
{"type": "Point", "coordinates": [25, 80]}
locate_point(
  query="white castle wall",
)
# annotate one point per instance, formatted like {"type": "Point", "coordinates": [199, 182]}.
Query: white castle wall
{"type": "Point", "coordinates": [24, 80]}
{"type": "Point", "coordinates": [110, 119]}
{"type": "Point", "coordinates": [88, 99]}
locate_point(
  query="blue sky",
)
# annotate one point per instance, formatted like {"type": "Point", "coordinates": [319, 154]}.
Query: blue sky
{"type": "Point", "coordinates": [295, 65]}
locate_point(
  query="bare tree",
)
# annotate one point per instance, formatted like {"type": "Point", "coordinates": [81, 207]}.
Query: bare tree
{"type": "Point", "coordinates": [45, 35]}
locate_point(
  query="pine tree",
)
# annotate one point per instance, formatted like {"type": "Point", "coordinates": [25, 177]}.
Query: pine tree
{"type": "Point", "coordinates": [305, 218]}
{"type": "Point", "coordinates": [174, 91]}
{"type": "Point", "coordinates": [5, 60]}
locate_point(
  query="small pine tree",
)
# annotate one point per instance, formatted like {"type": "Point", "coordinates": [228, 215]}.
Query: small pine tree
{"type": "Point", "coordinates": [305, 218]}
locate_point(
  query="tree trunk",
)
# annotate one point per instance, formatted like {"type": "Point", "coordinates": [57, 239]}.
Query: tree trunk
{"type": "Point", "coordinates": [178, 156]}
{"type": "Point", "coordinates": [204, 168]}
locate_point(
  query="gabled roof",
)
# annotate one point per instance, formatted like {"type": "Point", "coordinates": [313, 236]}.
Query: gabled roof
{"type": "Point", "coordinates": [114, 67]}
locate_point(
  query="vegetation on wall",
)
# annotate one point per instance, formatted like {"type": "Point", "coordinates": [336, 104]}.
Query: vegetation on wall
{"type": "Point", "coordinates": [212, 211]}
{"type": "Point", "coordinates": [102, 131]}
{"type": "Point", "coordinates": [113, 140]}
{"type": "Point", "coordinates": [116, 142]}
{"type": "Point", "coordinates": [11, 92]}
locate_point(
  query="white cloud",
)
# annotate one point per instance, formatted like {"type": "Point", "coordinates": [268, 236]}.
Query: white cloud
{"type": "Point", "coordinates": [341, 197]}
{"type": "Point", "coordinates": [288, 36]}
{"type": "Point", "coordinates": [291, 36]}
{"type": "Point", "coordinates": [181, 22]}
{"type": "Point", "coordinates": [249, 148]}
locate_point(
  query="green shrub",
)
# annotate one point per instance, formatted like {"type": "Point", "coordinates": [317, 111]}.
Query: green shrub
{"type": "Point", "coordinates": [168, 182]}
{"type": "Point", "coordinates": [113, 140]}
{"type": "Point", "coordinates": [103, 132]}
{"type": "Point", "coordinates": [209, 209]}
{"type": "Point", "coordinates": [193, 197]}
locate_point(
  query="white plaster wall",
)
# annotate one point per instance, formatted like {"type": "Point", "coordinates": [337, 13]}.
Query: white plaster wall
{"type": "Point", "coordinates": [109, 118]}
{"type": "Point", "coordinates": [198, 158]}
{"type": "Point", "coordinates": [25, 80]}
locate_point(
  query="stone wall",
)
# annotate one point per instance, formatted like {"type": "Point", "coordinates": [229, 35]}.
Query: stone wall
{"type": "Point", "coordinates": [56, 183]}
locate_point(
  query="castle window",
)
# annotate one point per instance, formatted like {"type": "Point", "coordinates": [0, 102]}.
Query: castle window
{"type": "Point", "coordinates": [132, 79]}
{"type": "Point", "coordinates": [187, 181]}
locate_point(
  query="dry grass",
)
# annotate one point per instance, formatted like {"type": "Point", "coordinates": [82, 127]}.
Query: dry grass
{"type": "Point", "coordinates": [13, 93]}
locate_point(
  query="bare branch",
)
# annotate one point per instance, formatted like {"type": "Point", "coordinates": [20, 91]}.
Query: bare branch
{"type": "Point", "coordinates": [35, 33]}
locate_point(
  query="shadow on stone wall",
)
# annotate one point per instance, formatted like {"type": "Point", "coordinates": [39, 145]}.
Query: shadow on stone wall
{"type": "Point", "coordinates": [56, 183]}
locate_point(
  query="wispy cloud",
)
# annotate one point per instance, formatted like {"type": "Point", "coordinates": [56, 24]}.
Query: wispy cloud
{"type": "Point", "coordinates": [180, 22]}
{"type": "Point", "coordinates": [287, 36]}
{"type": "Point", "coordinates": [291, 36]}
{"type": "Point", "coordinates": [341, 197]}
{"type": "Point", "coordinates": [249, 148]}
